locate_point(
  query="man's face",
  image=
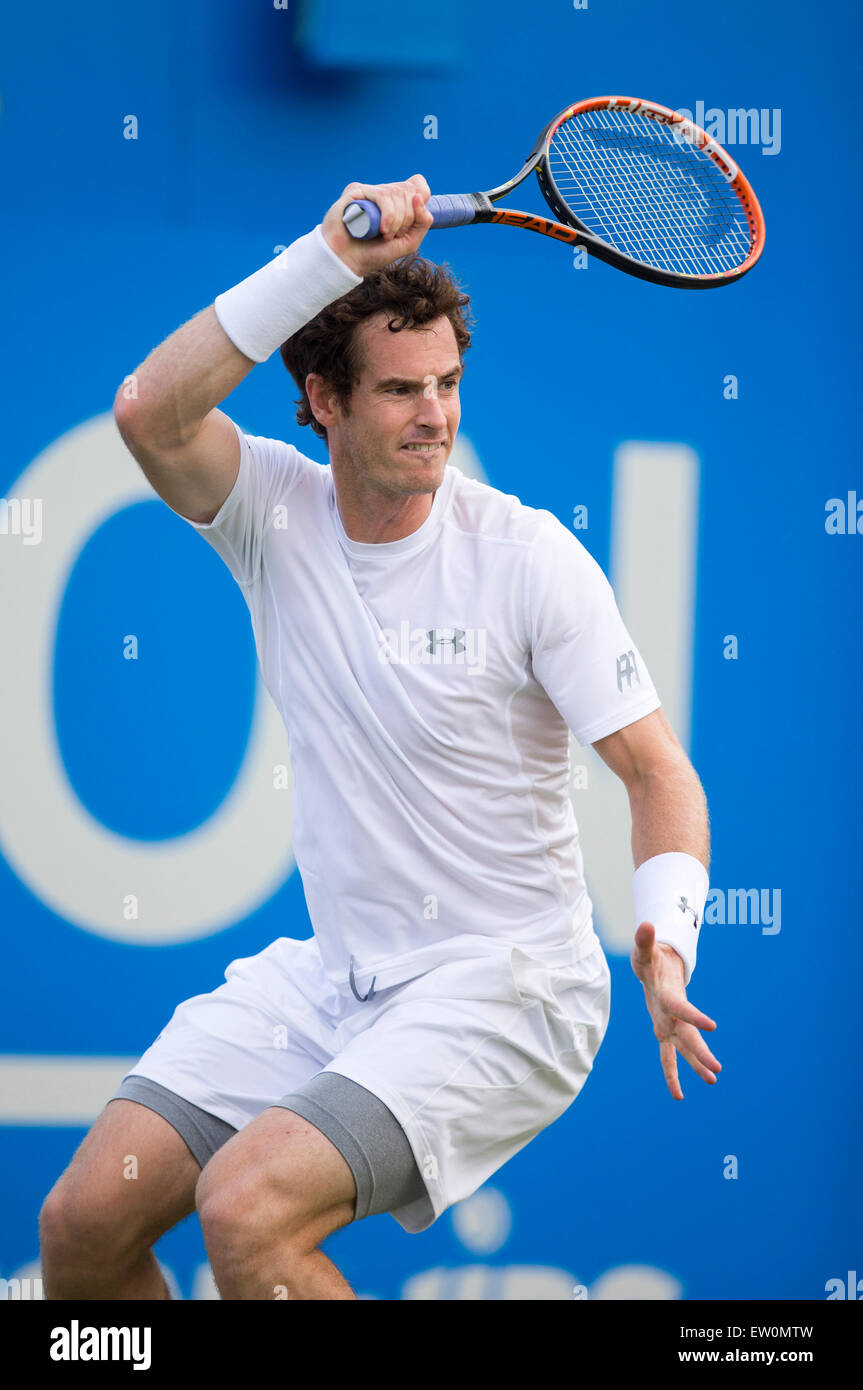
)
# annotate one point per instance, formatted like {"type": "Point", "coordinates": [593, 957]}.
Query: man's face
{"type": "Point", "coordinates": [407, 395]}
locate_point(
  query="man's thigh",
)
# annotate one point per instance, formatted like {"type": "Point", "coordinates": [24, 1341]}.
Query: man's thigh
{"type": "Point", "coordinates": [131, 1179]}
{"type": "Point", "coordinates": [329, 1153]}
{"type": "Point", "coordinates": [278, 1179]}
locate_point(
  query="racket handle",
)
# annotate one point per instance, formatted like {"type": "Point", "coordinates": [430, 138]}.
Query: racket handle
{"type": "Point", "coordinates": [363, 219]}
{"type": "Point", "coordinates": [452, 209]}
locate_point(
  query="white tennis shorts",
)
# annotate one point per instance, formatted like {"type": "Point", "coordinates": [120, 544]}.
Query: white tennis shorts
{"type": "Point", "coordinates": [474, 1057]}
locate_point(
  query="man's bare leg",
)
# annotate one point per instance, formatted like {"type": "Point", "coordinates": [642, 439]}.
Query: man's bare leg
{"type": "Point", "coordinates": [143, 1279]}
{"type": "Point", "coordinates": [267, 1200]}
{"type": "Point", "coordinates": [279, 1273]}
{"type": "Point", "coordinates": [97, 1226]}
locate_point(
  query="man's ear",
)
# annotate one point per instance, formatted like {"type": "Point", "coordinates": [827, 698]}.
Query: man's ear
{"type": "Point", "coordinates": [320, 399]}
{"type": "Point", "coordinates": [323, 401]}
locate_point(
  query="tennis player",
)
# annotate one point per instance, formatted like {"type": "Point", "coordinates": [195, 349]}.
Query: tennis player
{"type": "Point", "coordinates": [429, 642]}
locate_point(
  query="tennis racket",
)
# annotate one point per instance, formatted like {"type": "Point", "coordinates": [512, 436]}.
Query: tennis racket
{"type": "Point", "coordinates": [637, 185]}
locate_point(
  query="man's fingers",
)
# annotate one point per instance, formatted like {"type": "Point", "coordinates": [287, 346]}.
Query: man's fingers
{"type": "Point", "coordinates": [406, 194]}
{"type": "Point", "coordinates": [396, 218]}
{"type": "Point", "coordinates": [699, 1064]}
{"type": "Point", "coordinates": [694, 1051]}
{"type": "Point", "coordinates": [692, 1047]}
{"type": "Point", "coordinates": [676, 1021]}
{"type": "Point", "coordinates": [687, 1013]}
{"type": "Point", "coordinates": [391, 201]}
{"type": "Point", "coordinates": [704, 1057]}
{"type": "Point", "coordinates": [404, 214]}
{"type": "Point", "coordinates": [421, 185]}
{"type": "Point", "coordinates": [404, 221]}
{"type": "Point", "coordinates": [642, 953]}
{"type": "Point", "coordinates": [402, 205]}
{"type": "Point", "coordinates": [384, 205]}
{"type": "Point", "coordinates": [421, 213]}
{"type": "Point", "coordinates": [668, 1058]}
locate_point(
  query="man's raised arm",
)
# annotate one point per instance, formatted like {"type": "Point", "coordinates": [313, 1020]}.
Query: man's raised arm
{"type": "Point", "coordinates": [167, 416]}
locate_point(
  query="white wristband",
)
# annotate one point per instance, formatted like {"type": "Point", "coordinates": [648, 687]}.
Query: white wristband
{"type": "Point", "coordinates": [670, 891]}
{"type": "Point", "coordinates": [283, 296]}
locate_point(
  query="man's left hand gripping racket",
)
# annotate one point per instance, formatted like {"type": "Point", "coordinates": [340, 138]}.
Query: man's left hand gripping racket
{"type": "Point", "coordinates": [637, 185]}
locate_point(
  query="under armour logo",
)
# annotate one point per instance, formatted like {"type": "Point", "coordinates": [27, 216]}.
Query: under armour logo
{"type": "Point", "coordinates": [626, 670]}
{"type": "Point", "coordinates": [685, 907]}
{"type": "Point", "coordinates": [457, 640]}
{"type": "Point", "coordinates": [434, 646]}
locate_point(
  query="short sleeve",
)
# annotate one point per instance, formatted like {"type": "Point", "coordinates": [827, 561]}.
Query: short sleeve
{"type": "Point", "coordinates": [269, 469]}
{"type": "Point", "coordinates": [582, 654]}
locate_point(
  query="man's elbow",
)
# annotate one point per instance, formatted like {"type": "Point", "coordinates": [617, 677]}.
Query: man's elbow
{"type": "Point", "coordinates": [125, 410]}
{"type": "Point", "coordinates": [145, 430]}
{"type": "Point", "coordinates": [672, 767]}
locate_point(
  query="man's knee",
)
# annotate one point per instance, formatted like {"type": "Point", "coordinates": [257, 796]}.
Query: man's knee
{"type": "Point", "coordinates": [75, 1227]}
{"type": "Point", "coordinates": [244, 1209]}
{"type": "Point", "coordinates": [252, 1210]}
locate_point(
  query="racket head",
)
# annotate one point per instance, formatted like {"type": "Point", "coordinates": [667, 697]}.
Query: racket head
{"type": "Point", "coordinates": [662, 197]}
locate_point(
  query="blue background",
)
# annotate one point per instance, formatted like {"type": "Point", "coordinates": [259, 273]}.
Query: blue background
{"type": "Point", "coordinates": [251, 121]}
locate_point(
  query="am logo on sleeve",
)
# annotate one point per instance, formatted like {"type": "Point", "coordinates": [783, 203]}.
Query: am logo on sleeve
{"type": "Point", "coordinates": [627, 670]}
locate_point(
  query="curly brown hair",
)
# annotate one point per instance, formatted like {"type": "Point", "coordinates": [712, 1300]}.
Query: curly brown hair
{"type": "Point", "coordinates": [413, 290]}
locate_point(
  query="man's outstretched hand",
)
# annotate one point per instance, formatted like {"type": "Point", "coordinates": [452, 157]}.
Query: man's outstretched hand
{"type": "Point", "coordinates": [675, 1021]}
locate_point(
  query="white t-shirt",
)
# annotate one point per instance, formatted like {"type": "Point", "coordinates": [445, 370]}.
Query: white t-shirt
{"type": "Point", "coordinates": [426, 685]}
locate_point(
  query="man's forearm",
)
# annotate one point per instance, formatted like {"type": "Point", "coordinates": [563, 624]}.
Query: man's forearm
{"type": "Point", "coordinates": [182, 380]}
{"type": "Point", "coordinates": [669, 813]}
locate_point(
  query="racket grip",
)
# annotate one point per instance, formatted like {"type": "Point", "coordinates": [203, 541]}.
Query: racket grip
{"type": "Point", "coordinates": [452, 209]}
{"type": "Point", "coordinates": [363, 219]}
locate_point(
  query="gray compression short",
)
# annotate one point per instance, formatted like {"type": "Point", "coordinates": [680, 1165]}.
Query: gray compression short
{"type": "Point", "coordinates": [363, 1129]}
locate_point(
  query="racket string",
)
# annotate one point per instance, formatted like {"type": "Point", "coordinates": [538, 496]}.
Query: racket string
{"type": "Point", "coordinates": [655, 197]}
{"type": "Point", "coordinates": [681, 208]}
